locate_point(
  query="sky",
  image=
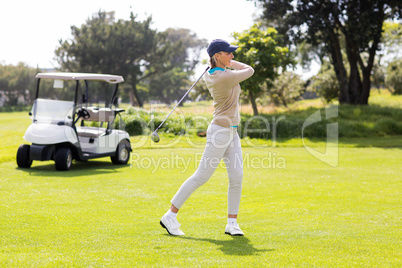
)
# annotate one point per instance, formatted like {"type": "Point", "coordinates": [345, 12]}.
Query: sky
{"type": "Point", "coordinates": [31, 30]}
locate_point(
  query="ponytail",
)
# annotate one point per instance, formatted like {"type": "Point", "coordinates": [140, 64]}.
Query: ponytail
{"type": "Point", "coordinates": [212, 61]}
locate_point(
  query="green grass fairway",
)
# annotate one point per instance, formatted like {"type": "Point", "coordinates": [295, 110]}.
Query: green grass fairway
{"type": "Point", "coordinates": [295, 209]}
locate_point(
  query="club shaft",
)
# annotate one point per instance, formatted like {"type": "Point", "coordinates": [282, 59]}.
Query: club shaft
{"type": "Point", "coordinates": [182, 98]}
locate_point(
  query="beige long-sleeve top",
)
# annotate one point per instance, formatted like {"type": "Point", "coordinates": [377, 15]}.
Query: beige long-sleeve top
{"type": "Point", "coordinates": [225, 91]}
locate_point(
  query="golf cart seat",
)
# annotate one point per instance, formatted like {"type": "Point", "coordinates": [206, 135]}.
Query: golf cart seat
{"type": "Point", "coordinates": [99, 115]}
{"type": "Point", "coordinates": [90, 132]}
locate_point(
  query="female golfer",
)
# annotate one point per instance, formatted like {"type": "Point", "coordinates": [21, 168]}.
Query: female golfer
{"type": "Point", "coordinates": [223, 141]}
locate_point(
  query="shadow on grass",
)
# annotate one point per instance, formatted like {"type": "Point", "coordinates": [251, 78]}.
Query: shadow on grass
{"type": "Point", "coordinates": [239, 245]}
{"type": "Point", "coordinates": [391, 142]}
{"type": "Point", "coordinates": [77, 169]}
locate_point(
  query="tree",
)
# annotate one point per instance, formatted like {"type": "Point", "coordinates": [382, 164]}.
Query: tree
{"type": "Point", "coordinates": [188, 48]}
{"type": "Point", "coordinates": [286, 88]}
{"type": "Point", "coordinates": [166, 86]}
{"type": "Point", "coordinates": [393, 79]}
{"type": "Point", "coordinates": [323, 23]}
{"type": "Point", "coordinates": [129, 48]}
{"type": "Point", "coordinates": [260, 49]}
{"type": "Point", "coordinates": [17, 83]}
{"type": "Point", "coordinates": [391, 41]}
{"type": "Point", "coordinates": [169, 86]}
{"type": "Point", "coordinates": [325, 82]}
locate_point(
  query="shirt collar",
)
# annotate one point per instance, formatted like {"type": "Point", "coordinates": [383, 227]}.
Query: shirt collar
{"type": "Point", "coordinates": [211, 71]}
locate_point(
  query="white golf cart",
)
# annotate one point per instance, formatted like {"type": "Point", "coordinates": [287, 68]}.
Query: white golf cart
{"type": "Point", "coordinates": [56, 133]}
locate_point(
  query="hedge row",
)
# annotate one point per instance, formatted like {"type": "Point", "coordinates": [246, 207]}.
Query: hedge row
{"type": "Point", "coordinates": [347, 121]}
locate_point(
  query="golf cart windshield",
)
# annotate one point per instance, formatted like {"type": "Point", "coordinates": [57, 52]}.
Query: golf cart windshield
{"type": "Point", "coordinates": [53, 111]}
{"type": "Point", "coordinates": [83, 92]}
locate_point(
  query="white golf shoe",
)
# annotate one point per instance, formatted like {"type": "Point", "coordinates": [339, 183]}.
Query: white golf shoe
{"type": "Point", "coordinates": [171, 225]}
{"type": "Point", "coordinates": [233, 229]}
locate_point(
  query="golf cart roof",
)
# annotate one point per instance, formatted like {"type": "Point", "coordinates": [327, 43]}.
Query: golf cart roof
{"type": "Point", "coordinates": [112, 79]}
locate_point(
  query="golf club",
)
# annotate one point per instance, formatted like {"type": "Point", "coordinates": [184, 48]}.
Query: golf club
{"type": "Point", "coordinates": [154, 135]}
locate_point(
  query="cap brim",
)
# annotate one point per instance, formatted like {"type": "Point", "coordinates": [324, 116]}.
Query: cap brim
{"type": "Point", "coordinates": [231, 48]}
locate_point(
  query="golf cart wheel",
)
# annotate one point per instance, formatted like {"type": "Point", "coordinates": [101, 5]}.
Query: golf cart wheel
{"type": "Point", "coordinates": [122, 154]}
{"type": "Point", "coordinates": [63, 158]}
{"type": "Point", "coordinates": [23, 160]}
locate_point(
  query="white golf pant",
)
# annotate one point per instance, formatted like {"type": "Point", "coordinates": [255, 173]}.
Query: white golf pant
{"type": "Point", "coordinates": [222, 144]}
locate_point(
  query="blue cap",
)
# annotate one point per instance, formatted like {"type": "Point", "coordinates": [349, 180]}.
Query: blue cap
{"type": "Point", "coordinates": [219, 45]}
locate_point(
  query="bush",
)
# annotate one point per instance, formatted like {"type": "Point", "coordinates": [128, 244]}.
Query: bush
{"type": "Point", "coordinates": [134, 126]}
{"type": "Point", "coordinates": [316, 130]}
{"type": "Point", "coordinates": [393, 77]}
{"type": "Point", "coordinates": [352, 129]}
{"type": "Point", "coordinates": [255, 127]}
{"type": "Point", "coordinates": [388, 127]}
{"type": "Point", "coordinates": [353, 121]}
{"type": "Point", "coordinates": [18, 108]}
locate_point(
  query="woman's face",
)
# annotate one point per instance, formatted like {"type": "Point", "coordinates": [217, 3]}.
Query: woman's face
{"type": "Point", "coordinates": [224, 58]}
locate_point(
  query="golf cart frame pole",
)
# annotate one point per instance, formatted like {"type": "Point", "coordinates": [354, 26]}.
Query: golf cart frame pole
{"type": "Point", "coordinates": [75, 101]}
{"type": "Point", "coordinates": [86, 93]}
{"type": "Point", "coordinates": [37, 89]}
{"type": "Point", "coordinates": [114, 95]}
